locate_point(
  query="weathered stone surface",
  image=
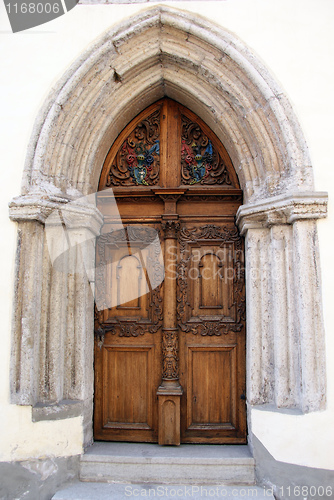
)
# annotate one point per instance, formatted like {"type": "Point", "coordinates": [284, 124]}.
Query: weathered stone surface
{"type": "Point", "coordinates": [61, 410]}
{"type": "Point", "coordinates": [285, 332]}
{"type": "Point", "coordinates": [165, 52]}
{"type": "Point", "coordinates": [52, 350]}
{"type": "Point", "coordinates": [149, 463]}
{"type": "Point", "coordinates": [36, 479]}
{"type": "Point", "coordinates": [284, 209]}
{"type": "Point", "coordinates": [117, 491]}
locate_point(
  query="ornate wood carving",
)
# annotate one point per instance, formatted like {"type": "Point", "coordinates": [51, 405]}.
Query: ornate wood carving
{"type": "Point", "coordinates": [200, 161]}
{"type": "Point", "coordinates": [127, 326]}
{"type": "Point", "coordinates": [211, 197]}
{"type": "Point", "coordinates": [137, 161]}
{"type": "Point", "coordinates": [209, 325]}
{"type": "Point", "coordinates": [170, 347]}
{"type": "Point", "coordinates": [136, 199]}
{"type": "Point", "coordinates": [170, 228]}
{"type": "Point", "coordinates": [99, 331]}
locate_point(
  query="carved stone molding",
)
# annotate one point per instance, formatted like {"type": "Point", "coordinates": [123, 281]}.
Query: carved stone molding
{"type": "Point", "coordinates": [284, 317]}
{"type": "Point", "coordinates": [282, 210]}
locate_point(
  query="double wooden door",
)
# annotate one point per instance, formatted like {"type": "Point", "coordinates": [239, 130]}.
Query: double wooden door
{"type": "Point", "coordinates": [170, 307]}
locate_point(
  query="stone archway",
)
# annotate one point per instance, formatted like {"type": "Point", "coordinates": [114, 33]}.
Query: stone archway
{"type": "Point", "coordinates": [163, 51]}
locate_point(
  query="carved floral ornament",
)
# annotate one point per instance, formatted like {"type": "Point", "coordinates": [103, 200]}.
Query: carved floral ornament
{"type": "Point", "coordinates": [170, 347]}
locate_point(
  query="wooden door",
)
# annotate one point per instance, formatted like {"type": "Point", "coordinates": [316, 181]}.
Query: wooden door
{"type": "Point", "coordinates": [169, 353]}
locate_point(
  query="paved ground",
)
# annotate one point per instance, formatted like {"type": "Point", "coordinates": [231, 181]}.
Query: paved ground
{"type": "Point", "coordinates": [107, 491]}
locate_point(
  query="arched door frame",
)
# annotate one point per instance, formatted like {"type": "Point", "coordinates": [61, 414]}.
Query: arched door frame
{"type": "Point", "coordinates": [163, 51]}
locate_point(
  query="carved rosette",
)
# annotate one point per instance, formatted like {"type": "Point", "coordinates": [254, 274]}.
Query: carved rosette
{"type": "Point", "coordinates": [200, 161]}
{"type": "Point", "coordinates": [206, 326]}
{"type": "Point", "coordinates": [171, 229]}
{"type": "Point", "coordinates": [170, 349]}
{"type": "Point", "coordinates": [137, 161]}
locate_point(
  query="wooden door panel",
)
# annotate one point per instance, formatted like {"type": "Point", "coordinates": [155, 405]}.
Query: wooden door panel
{"type": "Point", "coordinates": [126, 389]}
{"type": "Point", "coordinates": [128, 351]}
{"type": "Point", "coordinates": [211, 283]}
{"type": "Point", "coordinates": [127, 378]}
{"type": "Point", "coordinates": [169, 355]}
{"type": "Point", "coordinates": [211, 307]}
{"type": "Point", "coordinates": [211, 383]}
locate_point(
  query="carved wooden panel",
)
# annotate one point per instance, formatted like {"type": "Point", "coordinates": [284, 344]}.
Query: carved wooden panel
{"type": "Point", "coordinates": [211, 382]}
{"type": "Point", "coordinates": [210, 278]}
{"type": "Point", "coordinates": [201, 163]}
{"type": "Point", "coordinates": [167, 145]}
{"type": "Point", "coordinates": [137, 160]}
{"type": "Point", "coordinates": [129, 268]}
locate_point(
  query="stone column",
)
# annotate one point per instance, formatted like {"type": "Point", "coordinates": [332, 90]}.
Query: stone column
{"type": "Point", "coordinates": [285, 333]}
{"type": "Point", "coordinates": [24, 386]}
{"type": "Point", "coordinates": [52, 348]}
{"type": "Point", "coordinates": [308, 315]}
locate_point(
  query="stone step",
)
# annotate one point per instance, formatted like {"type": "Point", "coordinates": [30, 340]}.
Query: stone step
{"type": "Point", "coordinates": [107, 491]}
{"type": "Point", "coordinates": [154, 464]}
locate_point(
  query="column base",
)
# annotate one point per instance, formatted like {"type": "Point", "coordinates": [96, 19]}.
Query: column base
{"type": "Point", "coordinates": [169, 395]}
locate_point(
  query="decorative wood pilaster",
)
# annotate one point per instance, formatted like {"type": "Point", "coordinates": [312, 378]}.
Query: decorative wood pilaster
{"type": "Point", "coordinates": [170, 391]}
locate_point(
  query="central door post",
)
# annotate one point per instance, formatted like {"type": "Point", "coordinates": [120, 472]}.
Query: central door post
{"type": "Point", "coordinates": [170, 391]}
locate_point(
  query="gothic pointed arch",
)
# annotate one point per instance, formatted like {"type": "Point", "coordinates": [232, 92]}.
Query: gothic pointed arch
{"type": "Point", "coordinates": [166, 52]}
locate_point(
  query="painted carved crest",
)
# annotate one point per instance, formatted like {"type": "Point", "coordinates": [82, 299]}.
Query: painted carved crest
{"type": "Point", "coordinates": [200, 161]}
{"type": "Point", "coordinates": [137, 161]}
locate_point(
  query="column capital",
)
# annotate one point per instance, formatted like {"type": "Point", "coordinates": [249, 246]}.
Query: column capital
{"type": "Point", "coordinates": [285, 209]}
{"type": "Point", "coordinates": [170, 227]}
{"type": "Point", "coordinates": [73, 214]}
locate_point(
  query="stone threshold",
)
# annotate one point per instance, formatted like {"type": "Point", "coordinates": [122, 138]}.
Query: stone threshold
{"type": "Point", "coordinates": [117, 491]}
{"type": "Point", "coordinates": [187, 464]}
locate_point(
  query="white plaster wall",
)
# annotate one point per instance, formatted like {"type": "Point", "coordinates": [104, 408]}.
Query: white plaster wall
{"type": "Point", "coordinates": [295, 39]}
